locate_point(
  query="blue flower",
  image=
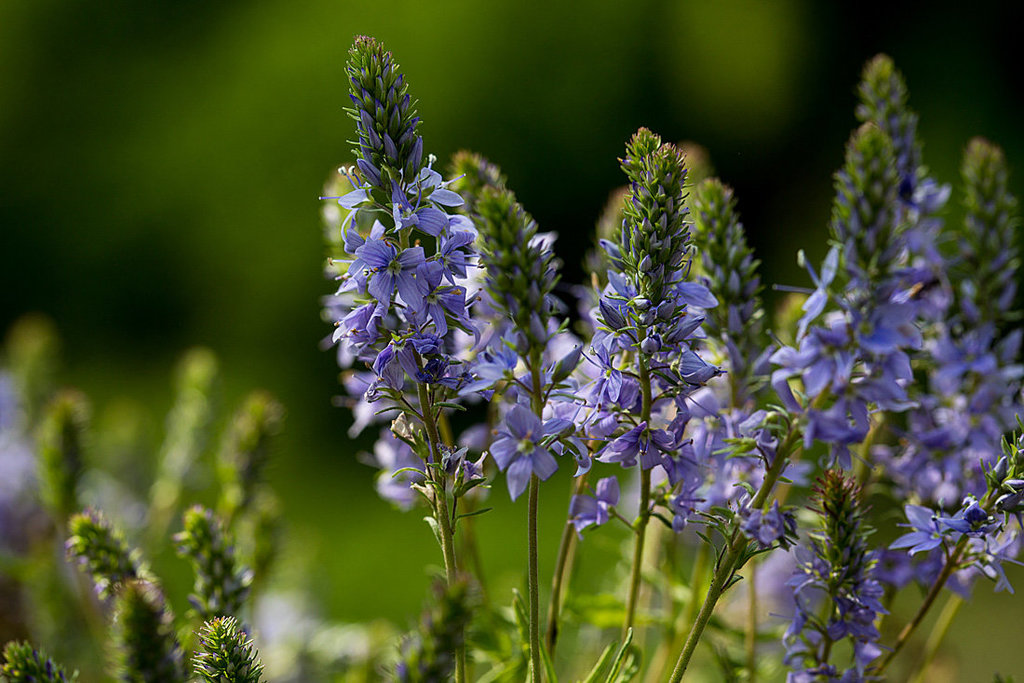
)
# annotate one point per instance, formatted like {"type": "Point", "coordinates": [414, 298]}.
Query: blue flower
{"type": "Point", "coordinates": [585, 510]}
{"type": "Point", "coordinates": [390, 269]}
{"type": "Point", "coordinates": [518, 451]}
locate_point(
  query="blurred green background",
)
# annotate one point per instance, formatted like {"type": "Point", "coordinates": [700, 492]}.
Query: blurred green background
{"type": "Point", "coordinates": [160, 164]}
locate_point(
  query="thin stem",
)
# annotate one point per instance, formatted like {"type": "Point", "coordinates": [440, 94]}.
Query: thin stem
{"type": "Point", "coordinates": [727, 565]}
{"type": "Point", "coordinates": [533, 582]}
{"type": "Point", "coordinates": [566, 547]}
{"type": "Point", "coordinates": [751, 634]}
{"type": "Point", "coordinates": [441, 512]}
{"type": "Point", "coordinates": [644, 513]}
{"type": "Point", "coordinates": [940, 581]}
{"type": "Point", "coordinates": [938, 634]}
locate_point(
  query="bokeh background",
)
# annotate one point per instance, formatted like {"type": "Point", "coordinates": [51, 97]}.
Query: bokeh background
{"type": "Point", "coordinates": [160, 164]}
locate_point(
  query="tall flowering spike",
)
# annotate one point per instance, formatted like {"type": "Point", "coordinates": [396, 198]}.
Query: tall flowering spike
{"type": "Point", "coordinates": [32, 348]}
{"type": "Point", "coordinates": [864, 216]}
{"type": "Point", "coordinates": [471, 174]}
{"type": "Point", "coordinates": [655, 235]}
{"type": "Point", "coordinates": [225, 654]}
{"type": "Point", "coordinates": [221, 585]}
{"type": "Point", "coordinates": [244, 456]}
{"type": "Point", "coordinates": [836, 573]}
{"type": "Point", "coordinates": [988, 251]}
{"type": "Point", "coordinates": [883, 102]}
{"type": "Point", "coordinates": [520, 270]}
{"type": "Point", "coordinates": [22, 663]}
{"type": "Point", "coordinates": [188, 427]}
{"type": "Point", "coordinates": [730, 268]}
{"type": "Point", "coordinates": [389, 148]}
{"type": "Point", "coordinates": [103, 552]}
{"type": "Point", "coordinates": [60, 444]}
{"type": "Point", "coordinates": [427, 655]}
{"type": "Point", "coordinates": [146, 648]}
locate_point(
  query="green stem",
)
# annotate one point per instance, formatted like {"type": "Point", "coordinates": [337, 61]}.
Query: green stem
{"type": "Point", "coordinates": [727, 565]}
{"type": "Point", "coordinates": [644, 513]}
{"type": "Point", "coordinates": [533, 583]}
{"type": "Point", "coordinates": [532, 580]}
{"type": "Point", "coordinates": [566, 548]}
{"type": "Point", "coordinates": [938, 634]}
{"type": "Point", "coordinates": [751, 634]}
{"type": "Point", "coordinates": [441, 512]}
{"type": "Point", "coordinates": [940, 581]}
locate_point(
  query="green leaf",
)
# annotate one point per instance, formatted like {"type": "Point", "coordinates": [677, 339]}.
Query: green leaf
{"type": "Point", "coordinates": [602, 663]}
{"type": "Point", "coordinates": [434, 526]}
{"type": "Point", "coordinates": [448, 404]}
{"type": "Point", "coordinates": [474, 513]}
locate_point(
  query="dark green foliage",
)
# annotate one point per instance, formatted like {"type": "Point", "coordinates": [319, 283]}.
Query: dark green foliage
{"type": "Point", "coordinates": [655, 235]}
{"type": "Point", "coordinates": [388, 146]}
{"type": "Point", "coordinates": [221, 585]}
{"type": "Point", "coordinates": [988, 249]}
{"type": "Point", "coordinates": [24, 664]}
{"type": "Point", "coordinates": [427, 654]}
{"type": "Point", "coordinates": [883, 95]}
{"type": "Point", "coordinates": [145, 647]}
{"type": "Point", "coordinates": [60, 445]}
{"type": "Point", "coordinates": [225, 654]}
{"type": "Point", "coordinates": [521, 271]}
{"type": "Point", "coordinates": [103, 552]}
{"type": "Point", "coordinates": [246, 451]}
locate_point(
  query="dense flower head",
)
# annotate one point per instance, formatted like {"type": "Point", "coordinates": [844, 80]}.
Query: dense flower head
{"type": "Point", "coordinates": [389, 148]}
{"type": "Point", "coordinates": [654, 239]}
{"type": "Point", "coordinates": [21, 663]}
{"type": "Point", "coordinates": [987, 250]}
{"type": "Point", "coordinates": [221, 584]}
{"type": "Point", "coordinates": [883, 102]}
{"type": "Point", "coordinates": [520, 268]}
{"type": "Point", "coordinates": [226, 654]}
{"type": "Point", "coordinates": [864, 216]}
{"type": "Point", "coordinates": [729, 270]}
{"type": "Point", "coordinates": [102, 551]}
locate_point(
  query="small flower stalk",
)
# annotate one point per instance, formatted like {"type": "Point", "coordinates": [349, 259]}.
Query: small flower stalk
{"type": "Point", "coordinates": [221, 584]}
{"type": "Point", "coordinates": [146, 647]}
{"type": "Point", "coordinates": [22, 663]}
{"type": "Point", "coordinates": [836, 594]}
{"type": "Point", "coordinates": [103, 553]}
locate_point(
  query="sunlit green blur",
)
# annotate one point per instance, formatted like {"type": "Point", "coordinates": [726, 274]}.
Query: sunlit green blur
{"type": "Point", "coordinates": [160, 164]}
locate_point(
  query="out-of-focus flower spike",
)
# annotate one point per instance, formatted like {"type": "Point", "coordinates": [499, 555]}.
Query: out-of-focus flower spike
{"type": "Point", "coordinates": [188, 426]}
{"type": "Point", "coordinates": [61, 440]}
{"type": "Point", "coordinates": [864, 218]}
{"type": "Point", "coordinates": [471, 173]}
{"type": "Point", "coordinates": [226, 654]}
{"type": "Point", "coordinates": [102, 551]}
{"type": "Point", "coordinates": [426, 655]}
{"type": "Point", "coordinates": [246, 451]}
{"type": "Point", "coordinates": [730, 271]}
{"type": "Point", "coordinates": [883, 102]}
{"type": "Point", "coordinates": [988, 252]}
{"type": "Point", "coordinates": [146, 648]}
{"type": "Point", "coordinates": [22, 663]}
{"type": "Point", "coordinates": [32, 348]}
{"type": "Point", "coordinates": [221, 585]}
{"type": "Point", "coordinates": [389, 148]}
{"type": "Point", "coordinates": [520, 271]}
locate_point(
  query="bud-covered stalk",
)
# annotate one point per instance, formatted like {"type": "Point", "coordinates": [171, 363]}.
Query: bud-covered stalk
{"type": "Point", "coordinates": [221, 585]}
{"type": "Point", "coordinates": [988, 252]}
{"type": "Point", "coordinates": [883, 95]}
{"type": "Point", "coordinates": [21, 663]}
{"type": "Point", "coordinates": [62, 434]}
{"type": "Point", "coordinates": [146, 648]}
{"type": "Point", "coordinates": [471, 174]}
{"type": "Point", "coordinates": [103, 552]}
{"type": "Point", "coordinates": [385, 115]}
{"type": "Point", "coordinates": [244, 457]}
{"type": "Point", "coordinates": [730, 272]}
{"type": "Point", "coordinates": [225, 654]}
{"type": "Point", "coordinates": [427, 655]}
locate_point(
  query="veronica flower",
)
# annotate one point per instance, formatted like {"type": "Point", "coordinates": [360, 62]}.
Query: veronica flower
{"type": "Point", "coordinates": [585, 510]}
{"type": "Point", "coordinates": [390, 269]}
{"type": "Point", "coordinates": [518, 450]}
